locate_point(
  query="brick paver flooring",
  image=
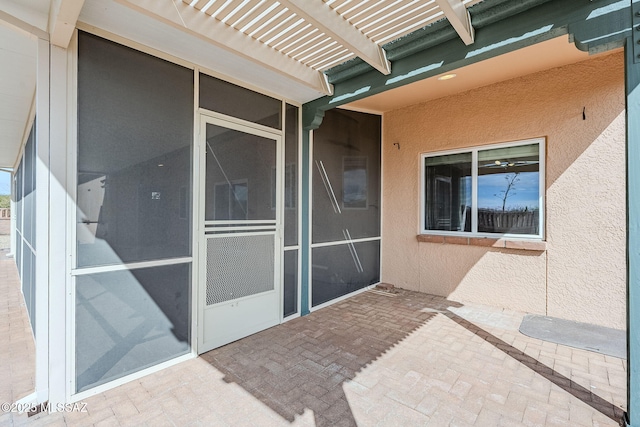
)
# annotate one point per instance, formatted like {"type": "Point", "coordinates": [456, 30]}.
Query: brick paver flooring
{"type": "Point", "coordinates": [17, 349]}
{"type": "Point", "coordinates": [376, 359]}
{"type": "Point", "coordinates": [5, 234]}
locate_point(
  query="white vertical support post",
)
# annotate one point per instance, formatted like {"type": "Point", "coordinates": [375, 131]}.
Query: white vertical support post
{"type": "Point", "coordinates": [14, 223]}
{"type": "Point", "coordinates": [42, 223]}
{"type": "Point", "coordinates": [57, 220]}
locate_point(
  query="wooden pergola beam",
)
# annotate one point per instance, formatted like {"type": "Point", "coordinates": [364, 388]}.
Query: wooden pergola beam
{"type": "Point", "coordinates": [63, 17]}
{"type": "Point", "coordinates": [332, 24]}
{"type": "Point", "coordinates": [459, 17]}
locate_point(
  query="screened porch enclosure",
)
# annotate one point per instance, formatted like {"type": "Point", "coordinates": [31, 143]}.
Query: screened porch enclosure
{"type": "Point", "coordinates": [138, 286]}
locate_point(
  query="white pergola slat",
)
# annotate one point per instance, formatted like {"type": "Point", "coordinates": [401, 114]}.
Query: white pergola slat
{"type": "Point", "coordinates": [327, 20]}
{"type": "Point", "coordinates": [182, 15]}
{"type": "Point", "coordinates": [320, 34]}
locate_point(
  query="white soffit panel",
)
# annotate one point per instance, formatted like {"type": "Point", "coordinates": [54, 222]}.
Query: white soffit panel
{"type": "Point", "coordinates": [31, 12]}
{"type": "Point", "coordinates": [18, 51]}
{"type": "Point", "coordinates": [144, 29]}
{"type": "Point", "coordinates": [181, 16]}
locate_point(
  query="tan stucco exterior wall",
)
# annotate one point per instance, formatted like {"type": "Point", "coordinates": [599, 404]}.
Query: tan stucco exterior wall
{"type": "Point", "coordinates": [581, 274]}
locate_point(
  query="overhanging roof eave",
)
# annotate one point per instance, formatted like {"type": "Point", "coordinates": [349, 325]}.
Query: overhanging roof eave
{"type": "Point", "coordinates": [543, 20]}
{"type": "Point", "coordinates": [482, 14]}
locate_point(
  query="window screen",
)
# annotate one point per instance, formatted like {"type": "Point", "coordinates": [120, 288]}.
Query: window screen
{"type": "Point", "coordinates": [135, 125]}
{"type": "Point", "coordinates": [236, 101]}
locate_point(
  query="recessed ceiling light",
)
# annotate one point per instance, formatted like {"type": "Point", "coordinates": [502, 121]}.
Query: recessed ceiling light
{"type": "Point", "coordinates": [447, 76]}
{"type": "Point", "coordinates": [160, 165]}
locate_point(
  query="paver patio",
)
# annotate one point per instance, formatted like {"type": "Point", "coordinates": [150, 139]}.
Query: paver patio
{"type": "Point", "coordinates": [5, 233]}
{"type": "Point", "coordinates": [404, 359]}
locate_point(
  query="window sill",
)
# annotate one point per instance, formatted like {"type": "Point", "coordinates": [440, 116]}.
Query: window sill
{"type": "Point", "coordinates": [524, 245]}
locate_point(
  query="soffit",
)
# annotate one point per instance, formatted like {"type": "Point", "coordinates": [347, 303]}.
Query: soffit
{"type": "Point", "coordinates": [549, 54]}
{"type": "Point", "coordinates": [31, 12]}
{"type": "Point", "coordinates": [18, 51]}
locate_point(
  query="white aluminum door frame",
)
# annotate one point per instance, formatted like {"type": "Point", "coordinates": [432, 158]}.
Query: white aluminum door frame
{"type": "Point", "coordinates": [211, 118]}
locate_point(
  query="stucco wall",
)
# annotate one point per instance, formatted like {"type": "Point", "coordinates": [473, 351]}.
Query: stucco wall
{"type": "Point", "coordinates": [581, 275]}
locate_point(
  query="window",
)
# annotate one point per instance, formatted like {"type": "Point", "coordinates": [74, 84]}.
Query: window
{"type": "Point", "coordinates": [354, 182]}
{"type": "Point", "coordinates": [231, 200]}
{"type": "Point", "coordinates": [485, 191]}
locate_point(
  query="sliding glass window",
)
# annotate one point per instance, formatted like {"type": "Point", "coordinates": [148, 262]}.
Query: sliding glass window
{"type": "Point", "coordinates": [486, 191]}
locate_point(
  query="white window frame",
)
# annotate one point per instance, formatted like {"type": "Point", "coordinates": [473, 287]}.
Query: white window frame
{"type": "Point", "coordinates": [474, 190]}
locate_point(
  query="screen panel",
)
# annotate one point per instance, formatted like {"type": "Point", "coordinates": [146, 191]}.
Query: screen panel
{"type": "Point", "coordinates": [238, 170]}
{"type": "Point", "coordinates": [135, 132]}
{"type": "Point", "coordinates": [291, 178]}
{"type": "Point", "coordinates": [346, 177]}
{"type": "Point", "coordinates": [239, 266]}
{"type": "Point", "coordinates": [236, 101]}
{"type": "Point", "coordinates": [338, 270]}
{"type": "Point", "coordinates": [290, 282]}
{"type": "Point", "coordinates": [129, 320]}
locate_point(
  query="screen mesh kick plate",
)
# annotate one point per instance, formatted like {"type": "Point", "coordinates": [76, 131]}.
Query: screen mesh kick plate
{"type": "Point", "coordinates": [239, 266]}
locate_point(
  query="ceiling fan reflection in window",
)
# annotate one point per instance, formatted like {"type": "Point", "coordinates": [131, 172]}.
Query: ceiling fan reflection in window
{"type": "Point", "coordinates": [508, 163]}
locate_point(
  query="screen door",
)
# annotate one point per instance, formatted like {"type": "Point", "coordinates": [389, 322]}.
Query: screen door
{"type": "Point", "coordinates": [241, 245]}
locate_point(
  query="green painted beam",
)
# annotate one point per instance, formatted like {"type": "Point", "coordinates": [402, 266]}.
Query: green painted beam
{"type": "Point", "coordinates": [592, 25]}
{"type": "Point", "coordinates": [632, 80]}
{"type": "Point", "coordinates": [305, 243]}
{"type": "Point", "coordinates": [482, 14]}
